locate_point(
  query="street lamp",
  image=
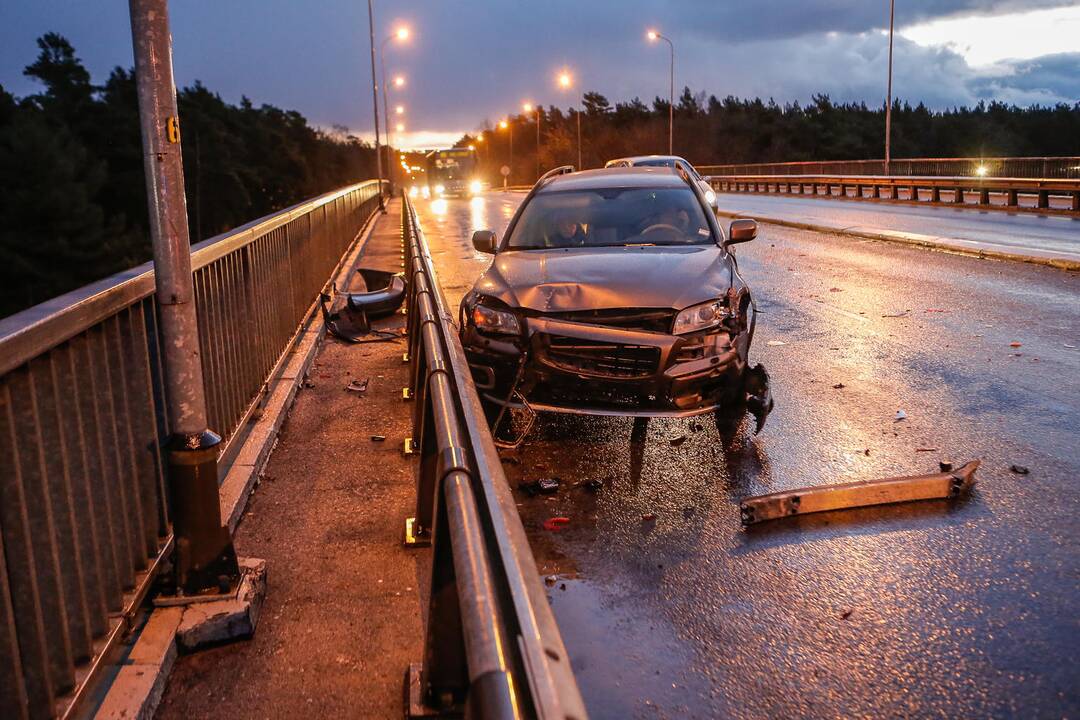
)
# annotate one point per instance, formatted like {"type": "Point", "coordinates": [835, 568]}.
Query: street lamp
{"type": "Point", "coordinates": [399, 110]}
{"type": "Point", "coordinates": [401, 35]}
{"type": "Point", "coordinates": [508, 126]}
{"type": "Point", "coordinates": [399, 81]}
{"type": "Point", "coordinates": [888, 94]}
{"type": "Point", "coordinates": [653, 36]}
{"type": "Point", "coordinates": [375, 103]}
{"type": "Point", "coordinates": [566, 81]}
{"type": "Point", "coordinates": [528, 108]}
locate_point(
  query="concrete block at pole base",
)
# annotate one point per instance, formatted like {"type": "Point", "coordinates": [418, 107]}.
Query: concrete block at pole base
{"type": "Point", "coordinates": [230, 618]}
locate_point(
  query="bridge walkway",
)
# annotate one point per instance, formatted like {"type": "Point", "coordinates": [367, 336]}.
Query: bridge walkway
{"type": "Point", "coordinates": [342, 618]}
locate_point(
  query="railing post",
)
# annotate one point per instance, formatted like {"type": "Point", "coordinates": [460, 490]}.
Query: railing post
{"type": "Point", "coordinates": [205, 558]}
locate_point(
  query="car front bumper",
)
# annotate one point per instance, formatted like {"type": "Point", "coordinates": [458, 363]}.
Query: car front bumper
{"type": "Point", "coordinates": [580, 368]}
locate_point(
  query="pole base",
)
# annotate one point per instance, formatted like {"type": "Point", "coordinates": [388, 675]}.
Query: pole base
{"type": "Point", "coordinates": [415, 707]}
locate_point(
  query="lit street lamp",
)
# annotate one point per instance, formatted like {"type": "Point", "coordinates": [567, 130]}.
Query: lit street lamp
{"type": "Point", "coordinates": [401, 34]}
{"type": "Point", "coordinates": [505, 125]}
{"type": "Point", "coordinates": [565, 82]}
{"type": "Point", "coordinates": [528, 107]}
{"type": "Point", "coordinates": [653, 36]}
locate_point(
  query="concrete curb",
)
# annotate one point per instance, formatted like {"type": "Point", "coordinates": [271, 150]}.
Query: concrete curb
{"type": "Point", "coordinates": [957, 246]}
{"type": "Point", "coordinates": [137, 688]}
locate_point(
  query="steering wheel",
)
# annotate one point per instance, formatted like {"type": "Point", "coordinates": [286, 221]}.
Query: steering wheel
{"type": "Point", "coordinates": [660, 226]}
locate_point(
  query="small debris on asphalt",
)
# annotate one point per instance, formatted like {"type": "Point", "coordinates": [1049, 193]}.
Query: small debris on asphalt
{"type": "Point", "coordinates": [308, 383]}
{"type": "Point", "coordinates": [555, 524]}
{"type": "Point", "coordinates": [925, 449]}
{"type": "Point", "coordinates": [676, 442]}
{"type": "Point", "coordinates": [945, 465]}
{"type": "Point", "coordinates": [835, 290]}
{"type": "Point", "coordinates": [1015, 344]}
{"type": "Point", "coordinates": [357, 386]}
{"type": "Point", "coordinates": [900, 415]}
{"type": "Point", "coordinates": [847, 613]}
{"type": "Point", "coordinates": [838, 386]}
{"type": "Point", "coordinates": [542, 486]}
{"type": "Point", "coordinates": [1071, 347]}
{"type": "Point", "coordinates": [593, 485]}
{"type": "Point", "coordinates": [378, 438]}
{"type": "Point", "coordinates": [1019, 469]}
{"type": "Point", "coordinates": [776, 343]}
{"type": "Point", "coordinates": [696, 427]}
{"type": "Point", "coordinates": [897, 315]}
{"type": "Point", "coordinates": [648, 517]}
{"type": "Point", "coordinates": [866, 452]}
{"type": "Point", "coordinates": [936, 310]}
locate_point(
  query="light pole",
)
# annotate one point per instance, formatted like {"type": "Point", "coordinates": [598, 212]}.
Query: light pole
{"type": "Point", "coordinates": [509, 126]}
{"type": "Point", "coordinates": [654, 36]}
{"type": "Point", "coordinates": [375, 103]}
{"type": "Point", "coordinates": [566, 81]}
{"type": "Point", "coordinates": [402, 34]}
{"type": "Point", "coordinates": [888, 94]}
{"type": "Point", "coordinates": [528, 107]}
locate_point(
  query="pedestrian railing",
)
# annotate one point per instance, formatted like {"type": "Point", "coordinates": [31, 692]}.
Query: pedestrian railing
{"type": "Point", "coordinates": [491, 647]}
{"type": "Point", "coordinates": [84, 511]}
{"type": "Point", "coordinates": [1005, 167]}
{"type": "Point", "coordinates": [986, 192]}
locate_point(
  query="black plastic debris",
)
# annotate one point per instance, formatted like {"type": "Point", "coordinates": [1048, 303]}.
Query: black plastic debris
{"type": "Point", "coordinates": [543, 486]}
{"type": "Point", "coordinates": [352, 322]}
{"type": "Point", "coordinates": [1019, 469]}
{"type": "Point", "coordinates": [357, 386]}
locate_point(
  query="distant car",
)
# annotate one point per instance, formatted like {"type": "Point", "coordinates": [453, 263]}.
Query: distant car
{"type": "Point", "coordinates": [615, 292]}
{"type": "Point", "coordinates": [670, 161]}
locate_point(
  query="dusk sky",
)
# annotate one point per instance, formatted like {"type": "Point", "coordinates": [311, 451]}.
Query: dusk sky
{"type": "Point", "coordinates": [468, 62]}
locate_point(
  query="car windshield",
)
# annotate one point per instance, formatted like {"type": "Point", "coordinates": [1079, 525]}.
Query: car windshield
{"type": "Point", "coordinates": [611, 217]}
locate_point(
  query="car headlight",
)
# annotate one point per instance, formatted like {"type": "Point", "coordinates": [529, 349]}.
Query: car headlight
{"type": "Point", "coordinates": [710, 197]}
{"type": "Point", "coordinates": [699, 317]}
{"type": "Point", "coordinates": [495, 321]}
{"type": "Point", "coordinates": [439, 189]}
{"type": "Point", "coordinates": [475, 187]}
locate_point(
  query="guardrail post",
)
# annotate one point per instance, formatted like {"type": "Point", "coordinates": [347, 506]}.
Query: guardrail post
{"type": "Point", "coordinates": [958, 196]}
{"type": "Point", "coordinates": [204, 556]}
{"type": "Point", "coordinates": [984, 196]}
{"type": "Point", "coordinates": [935, 194]}
{"type": "Point", "coordinates": [1012, 197]}
{"type": "Point", "coordinates": [1044, 199]}
{"type": "Point", "coordinates": [1075, 204]}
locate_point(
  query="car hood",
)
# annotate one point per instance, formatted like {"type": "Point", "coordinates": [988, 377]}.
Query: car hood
{"type": "Point", "coordinates": [575, 279]}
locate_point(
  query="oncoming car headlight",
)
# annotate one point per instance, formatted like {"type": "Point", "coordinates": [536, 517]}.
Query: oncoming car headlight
{"type": "Point", "coordinates": [476, 187]}
{"type": "Point", "coordinates": [710, 197]}
{"type": "Point", "coordinates": [699, 317]}
{"type": "Point", "coordinates": [439, 189]}
{"type": "Point", "coordinates": [495, 321]}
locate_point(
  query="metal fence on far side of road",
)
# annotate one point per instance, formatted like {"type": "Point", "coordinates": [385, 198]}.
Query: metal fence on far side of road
{"type": "Point", "coordinates": [84, 512]}
{"type": "Point", "coordinates": [1010, 167]}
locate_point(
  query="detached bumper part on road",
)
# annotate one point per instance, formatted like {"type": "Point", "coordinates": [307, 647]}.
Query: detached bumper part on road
{"type": "Point", "coordinates": [574, 367]}
{"type": "Point", "coordinates": [937, 486]}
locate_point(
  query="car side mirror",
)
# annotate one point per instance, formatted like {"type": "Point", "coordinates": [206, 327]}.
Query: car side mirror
{"type": "Point", "coordinates": [740, 231]}
{"type": "Point", "coordinates": [485, 241]}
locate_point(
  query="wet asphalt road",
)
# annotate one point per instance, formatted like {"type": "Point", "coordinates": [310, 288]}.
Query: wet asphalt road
{"type": "Point", "coordinates": [947, 609]}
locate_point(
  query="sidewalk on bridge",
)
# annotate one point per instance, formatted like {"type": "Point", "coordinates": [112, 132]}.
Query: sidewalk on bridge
{"type": "Point", "coordinates": [342, 617]}
{"type": "Point", "coordinates": [734, 205]}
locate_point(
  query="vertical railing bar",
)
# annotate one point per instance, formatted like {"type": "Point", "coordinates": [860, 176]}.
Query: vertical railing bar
{"type": "Point", "coordinates": [22, 574]}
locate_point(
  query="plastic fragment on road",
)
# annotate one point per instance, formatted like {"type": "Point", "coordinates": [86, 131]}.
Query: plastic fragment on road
{"type": "Point", "coordinates": [776, 343]}
{"type": "Point", "coordinates": [1016, 344]}
{"type": "Point", "coordinates": [900, 415]}
{"type": "Point", "coordinates": [897, 315]}
{"type": "Point", "coordinates": [378, 438]}
{"type": "Point", "coordinates": [843, 496]}
{"type": "Point", "coordinates": [838, 386]}
{"type": "Point", "coordinates": [1019, 469]}
{"type": "Point", "coordinates": [357, 386]}
{"type": "Point", "coordinates": [555, 524]}
{"type": "Point", "coordinates": [676, 442]}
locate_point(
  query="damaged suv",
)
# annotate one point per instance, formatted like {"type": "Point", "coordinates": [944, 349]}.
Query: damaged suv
{"type": "Point", "coordinates": [615, 292]}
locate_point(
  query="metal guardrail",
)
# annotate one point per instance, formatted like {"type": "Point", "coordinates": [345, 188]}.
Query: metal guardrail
{"type": "Point", "coordinates": [1014, 167]}
{"type": "Point", "coordinates": [491, 646]}
{"type": "Point", "coordinates": [84, 512]}
{"type": "Point", "coordinates": [984, 192]}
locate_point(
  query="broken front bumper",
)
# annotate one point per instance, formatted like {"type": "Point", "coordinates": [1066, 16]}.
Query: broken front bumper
{"type": "Point", "coordinates": [574, 367]}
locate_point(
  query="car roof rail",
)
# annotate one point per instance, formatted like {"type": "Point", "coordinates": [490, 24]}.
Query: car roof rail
{"type": "Point", "coordinates": [553, 173]}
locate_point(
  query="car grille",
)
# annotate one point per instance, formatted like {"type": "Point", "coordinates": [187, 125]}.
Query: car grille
{"type": "Point", "coordinates": [649, 319]}
{"type": "Point", "coordinates": [604, 359]}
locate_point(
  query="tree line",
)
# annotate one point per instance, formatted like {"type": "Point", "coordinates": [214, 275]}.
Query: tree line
{"type": "Point", "coordinates": [72, 193]}
{"type": "Point", "coordinates": [711, 131]}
